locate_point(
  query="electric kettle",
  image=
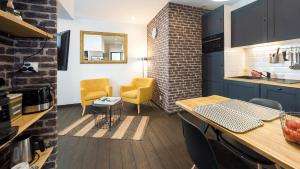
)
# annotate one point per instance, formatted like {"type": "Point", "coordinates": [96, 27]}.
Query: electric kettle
{"type": "Point", "coordinates": [24, 147]}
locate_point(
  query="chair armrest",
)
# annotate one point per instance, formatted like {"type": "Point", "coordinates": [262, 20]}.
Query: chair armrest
{"type": "Point", "coordinates": [126, 88]}
{"type": "Point", "coordinates": [108, 90]}
{"type": "Point", "coordinates": [144, 94]}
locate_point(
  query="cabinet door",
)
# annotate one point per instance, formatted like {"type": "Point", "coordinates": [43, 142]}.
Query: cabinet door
{"type": "Point", "coordinates": [241, 90]}
{"type": "Point", "coordinates": [213, 22]}
{"type": "Point", "coordinates": [283, 19]}
{"type": "Point", "coordinates": [249, 24]}
{"type": "Point", "coordinates": [213, 88]}
{"type": "Point", "coordinates": [289, 98]}
{"type": "Point", "coordinates": [213, 66]}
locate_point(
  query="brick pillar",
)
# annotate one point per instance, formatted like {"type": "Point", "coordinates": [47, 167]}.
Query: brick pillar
{"type": "Point", "coordinates": [175, 55]}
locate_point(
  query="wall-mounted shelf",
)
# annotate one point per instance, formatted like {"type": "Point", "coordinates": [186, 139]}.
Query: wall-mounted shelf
{"type": "Point", "coordinates": [43, 156]}
{"type": "Point", "coordinates": [14, 26]}
{"type": "Point", "coordinates": [26, 121]}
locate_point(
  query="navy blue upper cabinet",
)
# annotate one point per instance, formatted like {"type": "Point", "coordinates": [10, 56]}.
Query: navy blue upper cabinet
{"type": "Point", "coordinates": [284, 19]}
{"type": "Point", "coordinates": [249, 24]}
{"type": "Point", "coordinates": [213, 22]}
{"type": "Point", "coordinates": [242, 90]}
{"type": "Point", "coordinates": [265, 21]}
{"type": "Point", "coordinates": [288, 97]}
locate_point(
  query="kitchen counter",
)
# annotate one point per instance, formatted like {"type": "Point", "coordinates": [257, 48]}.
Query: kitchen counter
{"type": "Point", "coordinates": [262, 81]}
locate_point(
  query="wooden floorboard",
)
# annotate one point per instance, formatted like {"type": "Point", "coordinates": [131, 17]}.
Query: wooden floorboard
{"type": "Point", "coordinates": [128, 159]}
{"type": "Point", "coordinates": [103, 151]}
{"type": "Point", "coordinates": [115, 158]}
{"type": "Point", "coordinates": [139, 155]}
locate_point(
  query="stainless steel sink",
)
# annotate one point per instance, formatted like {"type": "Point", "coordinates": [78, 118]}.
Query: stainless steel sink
{"type": "Point", "coordinates": [283, 81]}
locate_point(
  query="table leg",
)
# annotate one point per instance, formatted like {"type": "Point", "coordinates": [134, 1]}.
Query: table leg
{"type": "Point", "coordinates": [109, 117]}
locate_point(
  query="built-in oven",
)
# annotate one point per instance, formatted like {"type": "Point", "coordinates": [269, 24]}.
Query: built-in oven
{"type": "Point", "coordinates": [214, 43]}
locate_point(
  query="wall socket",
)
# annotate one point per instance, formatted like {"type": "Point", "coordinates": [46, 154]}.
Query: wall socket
{"type": "Point", "coordinates": [30, 67]}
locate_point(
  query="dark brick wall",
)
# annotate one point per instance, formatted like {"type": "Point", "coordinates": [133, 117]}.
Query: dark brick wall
{"type": "Point", "coordinates": [43, 14]}
{"type": "Point", "coordinates": [6, 59]}
{"type": "Point", "coordinates": [176, 54]}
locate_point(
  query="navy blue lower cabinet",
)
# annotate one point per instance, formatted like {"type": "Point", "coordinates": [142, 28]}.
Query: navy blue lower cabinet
{"type": "Point", "coordinates": [213, 88]}
{"type": "Point", "coordinates": [288, 97]}
{"type": "Point", "coordinates": [241, 90]}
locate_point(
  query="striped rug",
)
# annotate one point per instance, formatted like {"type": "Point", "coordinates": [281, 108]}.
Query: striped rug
{"type": "Point", "coordinates": [129, 128]}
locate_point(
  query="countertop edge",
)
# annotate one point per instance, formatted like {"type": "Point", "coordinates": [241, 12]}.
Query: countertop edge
{"type": "Point", "coordinates": [257, 81]}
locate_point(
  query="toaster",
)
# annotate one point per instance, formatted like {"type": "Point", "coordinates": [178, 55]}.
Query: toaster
{"type": "Point", "coordinates": [35, 99]}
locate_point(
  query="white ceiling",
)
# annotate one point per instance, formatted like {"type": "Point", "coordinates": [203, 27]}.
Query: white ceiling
{"type": "Point", "coordinates": [132, 11]}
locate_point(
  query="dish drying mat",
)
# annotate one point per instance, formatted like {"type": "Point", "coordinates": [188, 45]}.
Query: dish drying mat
{"type": "Point", "coordinates": [230, 119]}
{"type": "Point", "coordinates": [258, 111]}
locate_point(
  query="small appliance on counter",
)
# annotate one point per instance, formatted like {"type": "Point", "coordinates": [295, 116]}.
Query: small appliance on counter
{"type": "Point", "coordinates": [35, 99]}
{"type": "Point", "coordinates": [15, 106]}
{"type": "Point", "coordinates": [7, 132]}
{"type": "Point", "coordinates": [23, 149]}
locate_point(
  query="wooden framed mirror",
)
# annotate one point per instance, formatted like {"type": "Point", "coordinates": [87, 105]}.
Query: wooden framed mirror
{"type": "Point", "coordinates": [103, 48]}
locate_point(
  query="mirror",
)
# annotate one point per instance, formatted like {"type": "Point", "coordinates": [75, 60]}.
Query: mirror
{"type": "Point", "coordinates": [103, 47]}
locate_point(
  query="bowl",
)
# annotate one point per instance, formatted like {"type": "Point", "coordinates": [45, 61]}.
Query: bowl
{"type": "Point", "coordinates": [290, 123]}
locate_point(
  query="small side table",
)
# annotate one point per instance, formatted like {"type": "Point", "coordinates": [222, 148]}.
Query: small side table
{"type": "Point", "coordinates": [107, 110]}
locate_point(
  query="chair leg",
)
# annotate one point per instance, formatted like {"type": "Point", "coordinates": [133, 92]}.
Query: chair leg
{"type": "Point", "coordinates": [194, 167]}
{"type": "Point", "coordinates": [259, 166]}
{"type": "Point", "coordinates": [139, 108]}
{"type": "Point", "coordinates": [83, 110]}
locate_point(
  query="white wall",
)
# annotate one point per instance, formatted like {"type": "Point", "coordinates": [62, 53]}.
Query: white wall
{"type": "Point", "coordinates": [234, 58]}
{"type": "Point", "coordinates": [66, 8]}
{"type": "Point", "coordinates": [68, 82]}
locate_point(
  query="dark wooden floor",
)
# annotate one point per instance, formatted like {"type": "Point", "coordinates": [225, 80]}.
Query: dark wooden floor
{"type": "Point", "coordinates": [162, 147]}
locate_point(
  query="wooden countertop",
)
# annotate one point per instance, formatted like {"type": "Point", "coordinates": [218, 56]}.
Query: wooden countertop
{"type": "Point", "coordinates": [26, 121]}
{"type": "Point", "coordinates": [267, 140]}
{"type": "Point", "coordinates": [261, 81]}
{"type": "Point", "coordinates": [43, 156]}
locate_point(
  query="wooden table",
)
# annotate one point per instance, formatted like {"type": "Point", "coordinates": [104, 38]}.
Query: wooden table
{"type": "Point", "coordinates": [267, 140]}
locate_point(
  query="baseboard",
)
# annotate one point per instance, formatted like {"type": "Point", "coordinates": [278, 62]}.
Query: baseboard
{"type": "Point", "coordinates": [69, 105]}
{"type": "Point", "coordinates": [161, 109]}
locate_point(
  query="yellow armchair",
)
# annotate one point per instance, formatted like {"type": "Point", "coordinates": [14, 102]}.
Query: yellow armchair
{"type": "Point", "coordinates": [93, 89]}
{"type": "Point", "coordinates": [139, 91]}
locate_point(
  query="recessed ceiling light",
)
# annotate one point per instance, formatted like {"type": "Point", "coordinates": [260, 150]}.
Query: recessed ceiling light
{"type": "Point", "coordinates": [133, 18]}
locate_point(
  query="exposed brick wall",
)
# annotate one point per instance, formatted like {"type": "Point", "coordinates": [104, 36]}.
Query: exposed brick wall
{"type": "Point", "coordinates": [6, 59]}
{"type": "Point", "coordinates": [176, 54]}
{"type": "Point", "coordinates": [43, 14]}
{"type": "Point", "coordinates": [158, 49]}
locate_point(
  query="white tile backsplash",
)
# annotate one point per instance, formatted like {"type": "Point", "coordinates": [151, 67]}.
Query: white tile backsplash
{"type": "Point", "coordinates": [257, 58]}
